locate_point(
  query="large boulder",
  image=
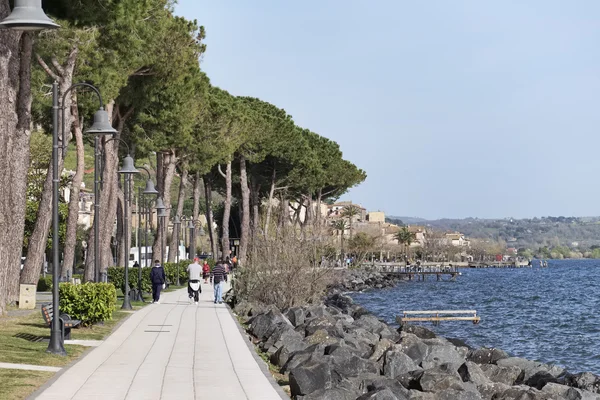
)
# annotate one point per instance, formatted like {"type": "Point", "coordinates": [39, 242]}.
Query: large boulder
{"type": "Point", "coordinates": [506, 375]}
{"type": "Point", "coordinates": [486, 355]}
{"type": "Point", "coordinates": [340, 301]}
{"type": "Point", "coordinates": [380, 348]}
{"type": "Point", "coordinates": [444, 354]}
{"type": "Point", "coordinates": [418, 331]}
{"type": "Point", "coordinates": [371, 382]}
{"type": "Point", "coordinates": [471, 372]}
{"type": "Point", "coordinates": [316, 311]}
{"type": "Point", "coordinates": [530, 368]}
{"type": "Point", "coordinates": [296, 315]}
{"type": "Point", "coordinates": [263, 325]}
{"type": "Point", "coordinates": [380, 394]}
{"type": "Point", "coordinates": [418, 395]}
{"type": "Point", "coordinates": [414, 347]}
{"type": "Point", "coordinates": [310, 377]}
{"type": "Point", "coordinates": [441, 378]}
{"type": "Point", "coordinates": [584, 380]}
{"type": "Point", "coordinates": [288, 343]}
{"type": "Point", "coordinates": [569, 393]}
{"type": "Point", "coordinates": [321, 323]}
{"type": "Point", "coordinates": [371, 324]}
{"type": "Point", "coordinates": [453, 394]}
{"type": "Point", "coordinates": [397, 363]}
{"type": "Point", "coordinates": [330, 394]}
{"type": "Point", "coordinates": [346, 367]}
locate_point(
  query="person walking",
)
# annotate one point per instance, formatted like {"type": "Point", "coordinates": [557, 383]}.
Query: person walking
{"type": "Point", "coordinates": [206, 271]}
{"type": "Point", "coordinates": [158, 279]}
{"type": "Point", "coordinates": [194, 273]}
{"type": "Point", "coordinates": [218, 277]}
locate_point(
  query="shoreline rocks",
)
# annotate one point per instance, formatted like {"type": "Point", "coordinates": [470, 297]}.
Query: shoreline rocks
{"type": "Point", "coordinates": [339, 351]}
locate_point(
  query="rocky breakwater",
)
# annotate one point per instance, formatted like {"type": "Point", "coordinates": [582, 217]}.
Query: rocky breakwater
{"type": "Point", "coordinates": [357, 280]}
{"type": "Point", "coordinates": [338, 351]}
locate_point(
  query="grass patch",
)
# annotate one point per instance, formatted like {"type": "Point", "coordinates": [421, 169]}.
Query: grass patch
{"type": "Point", "coordinates": [18, 384]}
{"type": "Point", "coordinates": [16, 348]}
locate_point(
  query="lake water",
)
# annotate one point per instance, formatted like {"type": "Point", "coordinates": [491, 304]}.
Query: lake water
{"type": "Point", "coordinates": [544, 314]}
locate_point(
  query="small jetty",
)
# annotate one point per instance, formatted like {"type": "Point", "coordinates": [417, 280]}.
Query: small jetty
{"type": "Point", "coordinates": [437, 316]}
{"type": "Point", "coordinates": [417, 271]}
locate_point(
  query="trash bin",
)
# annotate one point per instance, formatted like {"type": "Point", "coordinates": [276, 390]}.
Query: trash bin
{"type": "Point", "coordinates": [27, 297]}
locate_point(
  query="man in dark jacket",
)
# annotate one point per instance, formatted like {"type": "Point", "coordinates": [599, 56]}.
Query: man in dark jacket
{"type": "Point", "coordinates": [218, 277]}
{"type": "Point", "coordinates": [158, 279]}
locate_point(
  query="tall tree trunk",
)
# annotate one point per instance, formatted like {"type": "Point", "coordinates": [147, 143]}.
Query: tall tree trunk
{"type": "Point", "coordinates": [209, 215]}
{"type": "Point", "coordinates": [226, 211]}
{"type": "Point", "coordinates": [15, 131]}
{"type": "Point", "coordinates": [255, 206]}
{"type": "Point", "coordinates": [39, 237]}
{"type": "Point", "coordinates": [173, 244]}
{"type": "Point", "coordinates": [245, 211]}
{"type": "Point", "coordinates": [119, 237]}
{"type": "Point", "coordinates": [71, 233]}
{"type": "Point", "coordinates": [270, 203]}
{"type": "Point", "coordinates": [196, 195]}
{"type": "Point", "coordinates": [166, 165]}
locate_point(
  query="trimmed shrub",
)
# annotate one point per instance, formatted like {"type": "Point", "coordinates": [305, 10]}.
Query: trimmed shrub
{"type": "Point", "coordinates": [116, 277]}
{"type": "Point", "coordinates": [171, 272]}
{"type": "Point", "coordinates": [89, 302]}
{"type": "Point", "coordinates": [44, 284]}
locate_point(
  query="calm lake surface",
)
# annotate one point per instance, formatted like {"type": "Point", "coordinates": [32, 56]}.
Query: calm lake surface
{"type": "Point", "coordinates": [544, 314]}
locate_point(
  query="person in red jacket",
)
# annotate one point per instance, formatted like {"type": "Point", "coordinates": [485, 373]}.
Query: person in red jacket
{"type": "Point", "coordinates": [205, 271]}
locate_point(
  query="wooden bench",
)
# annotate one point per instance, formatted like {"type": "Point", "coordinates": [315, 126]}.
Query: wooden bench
{"type": "Point", "coordinates": [66, 323]}
{"type": "Point", "coordinates": [437, 316]}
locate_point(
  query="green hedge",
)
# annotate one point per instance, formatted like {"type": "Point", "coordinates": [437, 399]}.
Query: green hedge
{"type": "Point", "coordinates": [116, 276]}
{"type": "Point", "coordinates": [89, 302]}
{"type": "Point", "coordinates": [44, 284]}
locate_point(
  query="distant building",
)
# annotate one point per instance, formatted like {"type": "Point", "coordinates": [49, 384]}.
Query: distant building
{"type": "Point", "coordinates": [457, 239]}
{"type": "Point", "coordinates": [376, 216]}
{"type": "Point", "coordinates": [420, 235]}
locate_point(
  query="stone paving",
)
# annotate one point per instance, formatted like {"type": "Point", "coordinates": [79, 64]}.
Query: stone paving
{"type": "Point", "coordinates": [172, 350]}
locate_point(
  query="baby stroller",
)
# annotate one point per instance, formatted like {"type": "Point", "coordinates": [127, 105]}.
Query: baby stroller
{"type": "Point", "coordinates": [194, 290]}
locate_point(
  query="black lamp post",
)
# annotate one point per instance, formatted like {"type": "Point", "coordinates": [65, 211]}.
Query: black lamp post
{"type": "Point", "coordinates": [150, 189]}
{"type": "Point", "coordinates": [161, 214]}
{"type": "Point", "coordinates": [127, 169]}
{"type": "Point", "coordinates": [176, 226]}
{"type": "Point", "coordinates": [191, 227]}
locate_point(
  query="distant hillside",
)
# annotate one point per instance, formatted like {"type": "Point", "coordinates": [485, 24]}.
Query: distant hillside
{"type": "Point", "coordinates": [408, 220]}
{"type": "Point", "coordinates": [573, 232]}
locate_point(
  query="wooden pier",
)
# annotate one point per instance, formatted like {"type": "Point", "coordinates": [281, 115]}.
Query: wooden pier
{"type": "Point", "coordinates": [437, 316]}
{"type": "Point", "coordinates": [418, 272]}
{"type": "Point", "coordinates": [455, 265]}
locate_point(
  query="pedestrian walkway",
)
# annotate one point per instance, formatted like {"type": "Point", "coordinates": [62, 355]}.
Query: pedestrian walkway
{"type": "Point", "coordinates": [171, 350]}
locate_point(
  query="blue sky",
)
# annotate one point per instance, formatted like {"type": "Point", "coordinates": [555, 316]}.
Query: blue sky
{"type": "Point", "coordinates": [453, 108]}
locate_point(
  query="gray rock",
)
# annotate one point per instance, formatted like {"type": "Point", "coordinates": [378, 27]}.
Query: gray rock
{"type": "Point", "coordinates": [358, 344]}
{"type": "Point", "coordinates": [380, 348]}
{"type": "Point", "coordinates": [397, 363]}
{"type": "Point", "coordinates": [340, 301]}
{"type": "Point", "coordinates": [316, 311]}
{"type": "Point", "coordinates": [523, 392]}
{"type": "Point", "coordinates": [330, 394]}
{"type": "Point", "coordinates": [263, 325]}
{"type": "Point", "coordinates": [370, 382]}
{"type": "Point", "coordinates": [289, 343]}
{"type": "Point", "coordinates": [486, 355]}
{"type": "Point", "coordinates": [452, 394]}
{"type": "Point", "coordinates": [387, 333]}
{"type": "Point", "coordinates": [460, 343]}
{"type": "Point", "coordinates": [530, 368]}
{"type": "Point", "coordinates": [411, 380]}
{"type": "Point", "coordinates": [413, 347]}
{"type": "Point", "coordinates": [438, 355]}
{"type": "Point", "coordinates": [441, 378]}
{"type": "Point", "coordinates": [371, 324]}
{"type": "Point", "coordinates": [417, 395]}
{"type": "Point", "coordinates": [296, 315]}
{"type": "Point", "coordinates": [471, 372]}
{"type": "Point", "coordinates": [310, 377]}
{"type": "Point", "coordinates": [379, 394]}
{"type": "Point", "coordinates": [540, 379]}
{"type": "Point", "coordinates": [569, 393]}
{"type": "Point", "coordinates": [353, 366]}
{"type": "Point", "coordinates": [418, 331]}
{"type": "Point", "coordinates": [585, 381]}
{"type": "Point", "coordinates": [322, 323]}
{"type": "Point", "coordinates": [506, 375]}
{"type": "Point", "coordinates": [492, 390]}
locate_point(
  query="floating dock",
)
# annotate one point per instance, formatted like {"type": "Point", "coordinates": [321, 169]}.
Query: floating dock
{"type": "Point", "coordinates": [437, 316]}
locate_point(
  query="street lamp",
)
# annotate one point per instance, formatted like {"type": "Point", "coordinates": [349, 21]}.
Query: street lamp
{"type": "Point", "coordinates": [28, 15]}
{"type": "Point", "coordinates": [192, 239]}
{"type": "Point", "coordinates": [150, 189]}
{"type": "Point", "coordinates": [56, 340]}
{"type": "Point", "coordinates": [127, 169]}
{"type": "Point", "coordinates": [176, 226]}
{"type": "Point", "coordinates": [161, 214]}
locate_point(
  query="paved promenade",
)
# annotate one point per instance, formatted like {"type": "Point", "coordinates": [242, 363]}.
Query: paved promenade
{"type": "Point", "coordinates": [171, 350]}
